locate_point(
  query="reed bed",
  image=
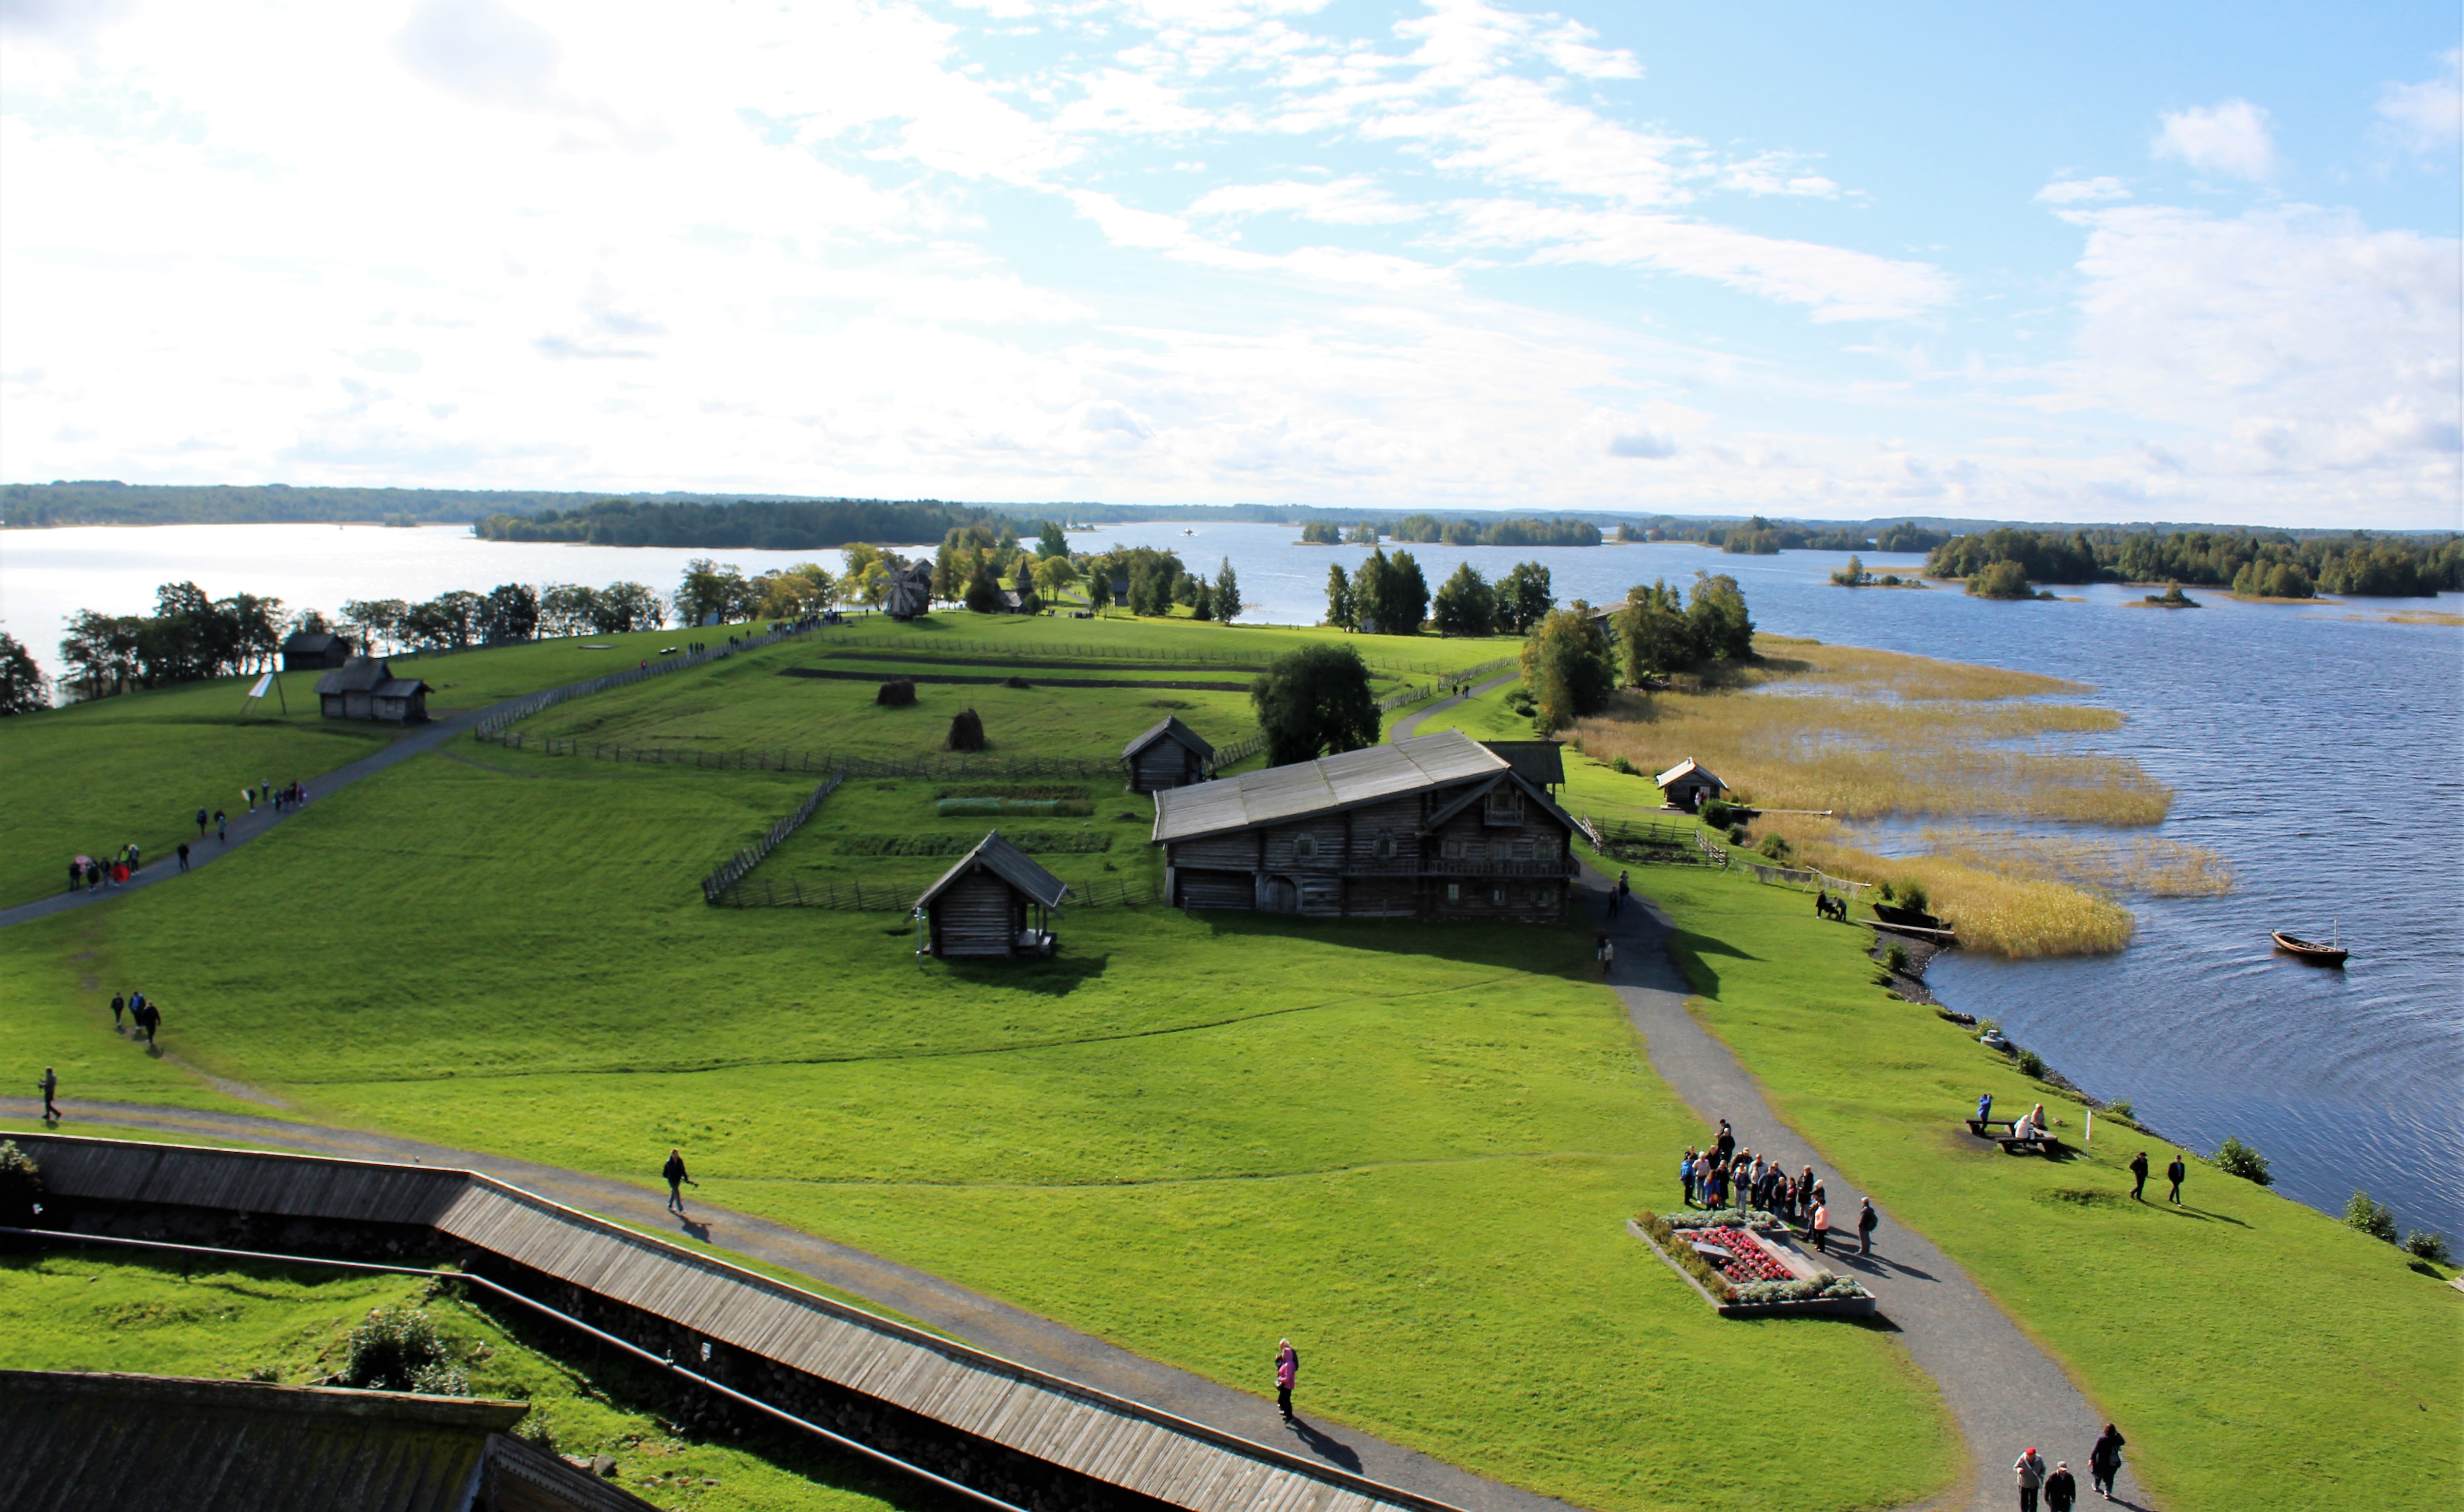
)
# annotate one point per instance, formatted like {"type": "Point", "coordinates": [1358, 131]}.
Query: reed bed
{"type": "Point", "coordinates": [2160, 868]}
{"type": "Point", "coordinates": [2000, 912]}
{"type": "Point", "coordinates": [1865, 759]}
{"type": "Point", "coordinates": [1861, 671]}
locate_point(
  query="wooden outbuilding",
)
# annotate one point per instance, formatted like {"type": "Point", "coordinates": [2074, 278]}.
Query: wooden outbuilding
{"type": "Point", "coordinates": [995, 903]}
{"type": "Point", "coordinates": [365, 688]}
{"type": "Point", "coordinates": [1435, 827]}
{"type": "Point", "coordinates": [1542, 763]}
{"type": "Point", "coordinates": [910, 592]}
{"type": "Point", "coordinates": [1168, 754]}
{"type": "Point", "coordinates": [1688, 785]}
{"type": "Point", "coordinates": [315, 651]}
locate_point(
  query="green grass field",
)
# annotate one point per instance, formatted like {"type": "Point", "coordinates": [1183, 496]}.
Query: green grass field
{"type": "Point", "coordinates": [1410, 1148]}
{"type": "Point", "coordinates": [86, 1310]}
{"type": "Point", "coordinates": [2245, 1331]}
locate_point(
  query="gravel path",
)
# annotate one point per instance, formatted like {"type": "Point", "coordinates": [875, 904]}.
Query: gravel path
{"type": "Point", "coordinates": [1410, 724]}
{"type": "Point", "coordinates": [2005, 1393]}
{"type": "Point", "coordinates": [984, 1321]}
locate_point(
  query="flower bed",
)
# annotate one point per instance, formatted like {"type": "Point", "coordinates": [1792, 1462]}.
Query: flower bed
{"type": "Point", "coordinates": [1754, 1218]}
{"type": "Point", "coordinates": [1737, 1255]}
{"type": "Point", "coordinates": [1749, 1277]}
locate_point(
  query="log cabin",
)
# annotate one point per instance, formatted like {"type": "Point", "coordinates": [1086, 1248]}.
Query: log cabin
{"type": "Point", "coordinates": [995, 903]}
{"type": "Point", "coordinates": [1688, 785]}
{"type": "Point", "coordinates": [1435, 827]}
{"type": "Point", "coordinates": [315, 651]}
{"type": "Point", "coordinates": [365, 688]}
{"type": "Point", "coordinates": [1168, 754]}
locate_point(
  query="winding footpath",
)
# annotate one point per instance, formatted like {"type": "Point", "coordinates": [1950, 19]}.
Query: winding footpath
{"type": "Point", "coordinates": [2006, 1392]}
{"type": "Point", "coordinates": [1409, 725]}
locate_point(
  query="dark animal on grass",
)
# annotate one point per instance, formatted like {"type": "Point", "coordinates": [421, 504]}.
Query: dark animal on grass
{"type": "Point", "coordinates": [967, 732]}
{"type": "Point", "coordinates": [1015, 682]}
{"type": "Point", "coordinates": [897, 693]}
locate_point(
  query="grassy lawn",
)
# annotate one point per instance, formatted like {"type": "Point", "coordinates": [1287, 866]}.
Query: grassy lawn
{"type": "Point", "coordinates": [2244, 1331]}
{"type": "Point", "coordinates": [1410, 1148]}
{"type": "Point", "coordinates": [80, 1310]}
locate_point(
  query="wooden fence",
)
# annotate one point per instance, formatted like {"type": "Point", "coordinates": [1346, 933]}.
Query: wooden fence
{"type": "Point", "coordinates": [750, 857]}
{"type": "Point", "coordinates": [857, 767]}
{"type": "Point", "coordinates": [852, 895]}
{"type": "Point", "coordinates": [514, 713]}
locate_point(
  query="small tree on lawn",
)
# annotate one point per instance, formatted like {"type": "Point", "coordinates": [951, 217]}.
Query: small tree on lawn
{"type": "Point", "coordinates": [2374, 1218]}
{"type": "Point", "coordinates": [1227, 592]}
{"type": "Point", "coordinates": [2236, 1159]}
{"type": "Point", "coordinates": [1315, 701]}
{"type": "Point", "coordinates": [1568, 667]}
{"type": "Point", "coordinates": [1466, 604]}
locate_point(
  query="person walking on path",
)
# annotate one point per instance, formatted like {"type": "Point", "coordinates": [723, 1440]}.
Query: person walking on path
{"type": "Point", "coordinates": [51, 1085]}
{"type": "Point", "coordinates": [2139, 1177]}
{"type": "Point", "coordinates": [2061, 1488]}
{"type": "Point", "coordinates": [77, 876]}
{"type": "Point", "coordinates": [184, 855]}
{"type": "Point", "coordinates": [2174, 1172]}
{"type": "Point", "coordinates": [1867, 1221]}
{"type": "Point", "coordinates": [222, 827]}
{"type": "Point", "coordinates": [2105, 1460]}
{"type": "Point", "coordinates": [677, 1181]}
{"type": "Point", "coordinates": [1288, 1374]}
{"type": "Point", "coordinates": [201, 823]}
{"type": "Point", "coordinates": [118, 1004]}
{"type": "Point", "coordinates": [1607, 955]}
{"type": "Point", "coordinates": [2031, 1469]}
{"type": "Point", "coordinates": [151, 1023]}
{"type": "Point", "coordinates": [1820, 1230]}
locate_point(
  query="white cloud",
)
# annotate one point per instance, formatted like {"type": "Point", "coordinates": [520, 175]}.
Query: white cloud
{"type": "Point", "coordinates": [2232, 137]}
{"type": "Point", "coordinates": [2081, 191]}
{"type": "Point", "coordinates": [2427, 116]}
{"type": "Point", "coordinates": [1354, 200]}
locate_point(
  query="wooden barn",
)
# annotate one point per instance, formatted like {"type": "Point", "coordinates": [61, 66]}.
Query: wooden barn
{"type": "Point", "coordinates": [1169, 754]}
{"type": "Point", "coordinates": [365, 688]}
{"type": "Point", "coordinates": [1434, 828]}
{"type": "Point", "coordinates": [1688, 785]}
{"type": "Point", "coordinates": [315, 651]}
{"type": "Point", "coordinates": [994, 902]}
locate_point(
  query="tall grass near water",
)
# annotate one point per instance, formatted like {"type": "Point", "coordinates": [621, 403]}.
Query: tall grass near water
{"type": "Point", "coordinates": [1860, 735]}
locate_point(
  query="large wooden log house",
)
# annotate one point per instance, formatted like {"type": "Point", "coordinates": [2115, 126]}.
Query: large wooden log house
{"type": "Point", "coordinates": [1435, 827]}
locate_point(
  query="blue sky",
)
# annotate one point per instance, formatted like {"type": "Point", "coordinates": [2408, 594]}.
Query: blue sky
{"type": "Point", "coordinates": [2079, 262]}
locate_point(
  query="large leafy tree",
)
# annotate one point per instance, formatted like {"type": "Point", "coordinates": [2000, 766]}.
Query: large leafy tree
{"type": "Point", "coordinates": [1316, 700]}
{"type": "Point", "coordinates": [510, 612]}
{"type": "Point", "coordinates": [1523, 597]}
{"type": "Point", "coordinates": [1466, 604]}
{"type": "Point", "coordinates": [1406, 603]}
{"type": "Point", "coordinates": [23, 687]}
{"type": "Point", "coordinates": [1717, 611]}
{"type": "Point", "coordinates": [1052, 542]}
{"type": "Point", "coordinates": [1341, 611]}
{"type": "Point", "coordinates": [1227, 591]}
{"type": "Point", "coordinates": [1657, 636]}
{"type": "Point", "coordinates": [1568, 667]}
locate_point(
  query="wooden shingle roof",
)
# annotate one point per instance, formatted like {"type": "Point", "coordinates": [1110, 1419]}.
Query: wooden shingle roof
{"type": "Point", "coordinates": [1327, 785]}
{"type": "Point", "coordinates": [1169, 727]}
{"type": "Point", "coordinates": [1541, 761]}
{"type": "Point", "coordinates": [1008, 862]}
{"type": "Point", "coordinates": [1689, 767]}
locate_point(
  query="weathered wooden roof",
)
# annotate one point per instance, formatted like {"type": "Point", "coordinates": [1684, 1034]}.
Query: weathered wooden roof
{"type": "Point", "coordinates": [312, 642]}
{"type": "Point", "coordinates": [360, 674]}
{"type": "Point", "coordinates": [153, 1443]}
{"type": "Point", "coordinates": [1541, 761]}
{"type": "Point", "coordinates": [1128, 1444]}
{"type": "Point", "coordinates": [399, 687]}
{"type": "Point", "coordinates": [1008, 862]}
{"type": "Point", "coordinates": [1328, 784]}
{"type": "Point", "coordinates": [1168, 727]}
{"type": "Point", "coordinates": [1689, 767]}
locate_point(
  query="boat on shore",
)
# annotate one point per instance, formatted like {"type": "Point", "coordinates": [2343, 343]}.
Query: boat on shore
{"type": "Point", "coordinates": [2311, 951]}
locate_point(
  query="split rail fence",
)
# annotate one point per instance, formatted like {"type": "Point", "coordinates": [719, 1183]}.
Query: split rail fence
{"type": "Point", "coordinates": [750, 857]}
{"type": "Point", "coordinates": [494, 724]}
{"type": "Point", "coordinates": [853, 896]}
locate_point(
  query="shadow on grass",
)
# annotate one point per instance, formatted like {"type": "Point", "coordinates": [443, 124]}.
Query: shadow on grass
{"type": "Point", "coordinates": [1549, 949]}
{"type": "Point", "coordinates": [1056, 978]}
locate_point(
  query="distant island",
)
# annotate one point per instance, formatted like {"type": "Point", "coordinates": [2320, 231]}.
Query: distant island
{"type": "Point", "coordinates": [2172, 598]}
{"type": "Point", "coordinates": [1855, 576]}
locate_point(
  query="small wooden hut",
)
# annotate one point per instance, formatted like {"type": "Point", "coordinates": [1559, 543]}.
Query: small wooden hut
{"type": "Point", "coordinates": [995, 903]}
{"type": "Point", "coordinates": [1168, 754]}
{"type": "Point", "coordinates": [1688, 785]}
{"type": "Point", "coordinates": [365, 688]}
{"type": "Point", "coordinates": [315, 651]}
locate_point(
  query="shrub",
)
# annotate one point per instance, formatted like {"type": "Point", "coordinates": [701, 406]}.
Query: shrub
{"type": "Point", "coordinates": [1315, 701]}
{"type": "Point", "coordinates": [1621, 764]}
{"type": "Point", "coordinates": [399, 1349]}
{"type": "Point", "coordinates": [21, 1186]}
{"type": "Point", "coordinates": [1519, 700]}
{"type": "Point", "coordinates": [2429, 1245]}
{"type": "Point", "coordinates": [1986, 1026]}
{"type": "Point", "coordinates": [2001, 579]}
{"type": "Point", "coordinates": [1719, 814]}
{"type": "Point", "coordinates": [1896, 957]}
{"type": "Point", "coordinates": [2236, 1159]}
{"type": "Point", "coordinates": [1682, 1251]}
{"type": "Point", "coordinates": [898, 692]}
{"type": "Point", "coordinates": [2374, 1218]}
{"type": "Point", "coordinates": [2119, 1110]}
{"type": "Point", "coordinates": [2031, 1064]}
{"type": "Point", "coordinates": [1015, 682]}
{"type": "Point", "coordinates": [1775, 846]}
{"type": "Point", "coordinates": [1913, 895]}
{"type": "Point", "coordinates": [1736, 834]}
{"type": "Point", "coordinates": [967, 732]}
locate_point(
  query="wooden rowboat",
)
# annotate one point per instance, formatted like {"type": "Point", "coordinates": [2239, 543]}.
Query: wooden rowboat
{"type": "Point", "coordinates": [2310, 951]}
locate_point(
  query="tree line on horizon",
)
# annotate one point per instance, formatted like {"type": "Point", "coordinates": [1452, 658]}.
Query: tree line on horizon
{"type": "Point", "coordinates": [2360, 564]}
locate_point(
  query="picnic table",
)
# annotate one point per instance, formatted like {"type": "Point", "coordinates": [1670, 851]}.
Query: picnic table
{"type": "Point", "coordinates": [1983, 1127]}
{"type": "Point", "coordinates": [2032, 1145]}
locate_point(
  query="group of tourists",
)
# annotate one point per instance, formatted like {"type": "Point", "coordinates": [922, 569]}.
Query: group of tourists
{"type": "Point", "coordinates": [143, 1015]}
{"type": "Point", "coordinates": [86, 874]}
{"type": "Point", "coordinates": [1618, 894]}
{"type": "Point", "coordinates": [2058, 1487]}
{"type": "Point", "coordinates": [2173, 1172]}
{"type": "Point", "coordinates": [265, 794]}
{"type": "Point", "coordinates": [1729, 1176]}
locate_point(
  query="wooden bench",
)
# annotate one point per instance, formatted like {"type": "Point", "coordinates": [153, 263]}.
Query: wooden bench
{"type": "Point", "coordinates": [1983, 1127]}
{"type": "Point", "coordinates": [2033, 1144]}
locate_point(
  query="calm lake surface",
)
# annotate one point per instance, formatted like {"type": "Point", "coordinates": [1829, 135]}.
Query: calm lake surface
{"type": "Point", "coordinates": [2324, 754]}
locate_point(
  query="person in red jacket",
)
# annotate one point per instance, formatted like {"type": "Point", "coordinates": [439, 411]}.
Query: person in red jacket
{"type": "Point", "coordinates": [1288, 1374]}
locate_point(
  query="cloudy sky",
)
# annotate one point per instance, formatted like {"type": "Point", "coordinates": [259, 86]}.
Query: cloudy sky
{"type": "Point", "coordinates": [2091, 264]}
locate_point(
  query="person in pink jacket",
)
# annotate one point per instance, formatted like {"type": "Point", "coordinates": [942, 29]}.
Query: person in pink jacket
{"type": "Point", "coordinates": [1288, 1374]}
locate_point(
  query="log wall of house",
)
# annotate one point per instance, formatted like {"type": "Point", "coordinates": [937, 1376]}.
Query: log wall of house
{"type": "Point", "coordinates": [977, 915]}
{"type": "Point", "coordinates": [1166, 764]}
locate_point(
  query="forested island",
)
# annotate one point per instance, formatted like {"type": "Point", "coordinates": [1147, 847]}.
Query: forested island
{"type": "Point", "coordinates": [744, 525]}
{"type": "Point", "coordinates": [2277, 566]}
{"type": "Point", "coordinates": [1429, 530]}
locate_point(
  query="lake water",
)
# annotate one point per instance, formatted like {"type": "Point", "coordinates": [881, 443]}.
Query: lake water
{"type": "Point", "coordinates": [2323, 754]}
